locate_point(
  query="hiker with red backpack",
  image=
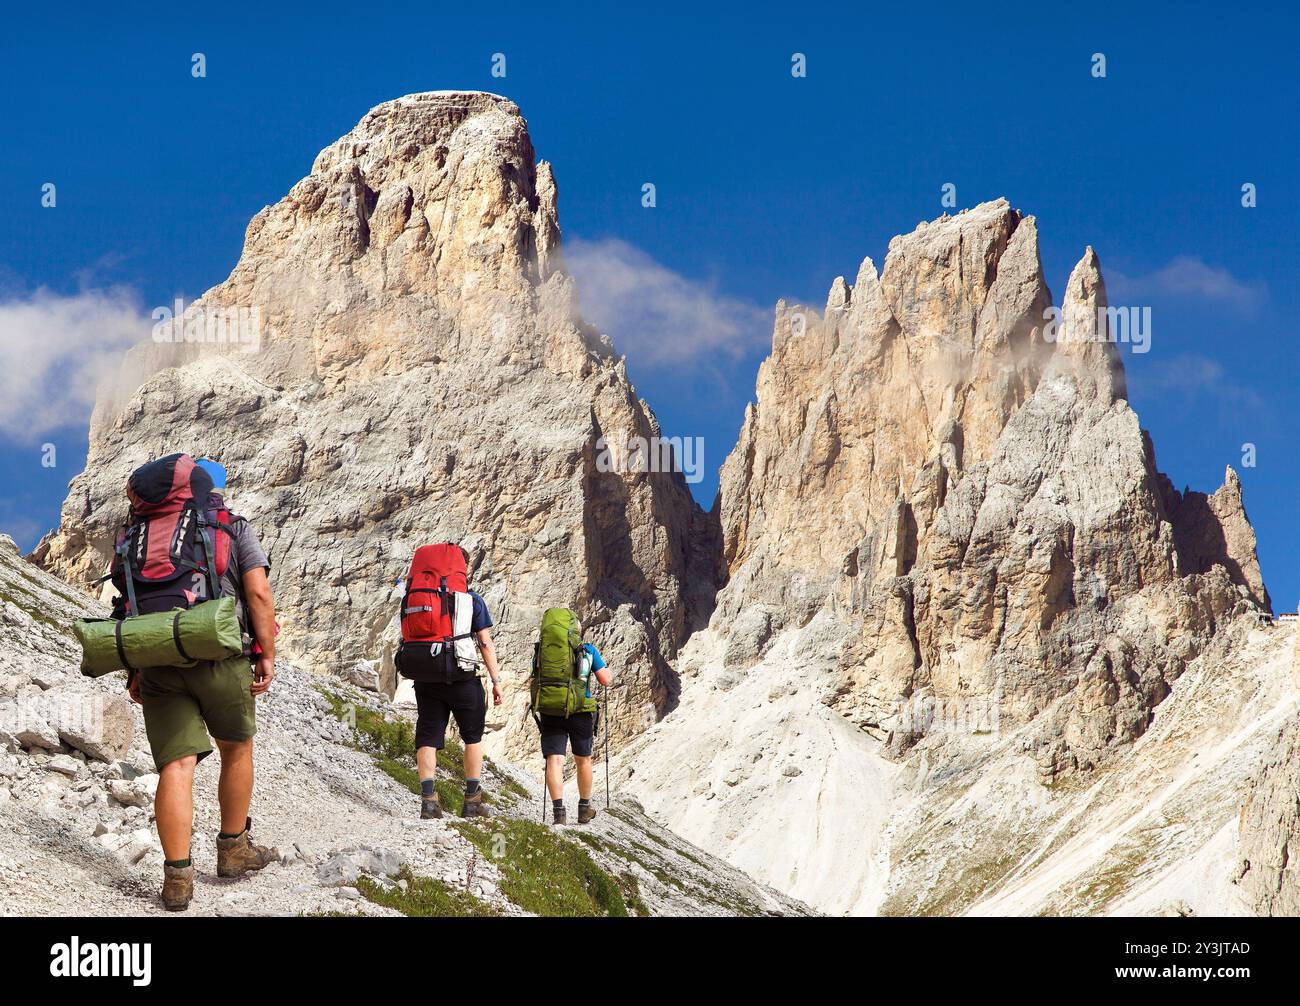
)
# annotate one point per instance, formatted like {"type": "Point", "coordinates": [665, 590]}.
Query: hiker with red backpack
{"type": "Point", "coordinates": [193, 609]}
{"type": "Point", "coordinates": [445, 639]}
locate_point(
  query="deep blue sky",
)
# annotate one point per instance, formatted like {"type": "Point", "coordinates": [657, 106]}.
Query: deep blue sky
{"type": "Point", "coordinates": [767, 185]}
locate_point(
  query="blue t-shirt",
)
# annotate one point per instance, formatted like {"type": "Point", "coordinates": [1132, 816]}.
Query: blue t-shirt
{"type": "Point", "coordinates": [481, 620]}
{"type": "Point", "coordinates": [597, 662]}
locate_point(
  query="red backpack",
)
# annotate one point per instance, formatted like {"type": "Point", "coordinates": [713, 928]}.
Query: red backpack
{"type": "Point", "coordinates": [171, 554]}
{"type": "Point", "coordinates": [437, 644]}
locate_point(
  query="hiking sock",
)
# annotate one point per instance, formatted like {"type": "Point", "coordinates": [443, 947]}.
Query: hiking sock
{"type": "Point", "coordinates": [222, 834]}
{"type": "Point", "coordinates": [426, 788]}
{"type": "Point", "coordinates": [177, 864]}
{"type": "Point", "coordinates": [471, 787]}
{"type": "Point", "coordinates": [584, 802]}
{"type": "Point", "coordinates": [557, 804]}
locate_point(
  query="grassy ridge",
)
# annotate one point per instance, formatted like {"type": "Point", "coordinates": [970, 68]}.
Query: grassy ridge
{"type": "Point", "coordinates": [425, 897]}
{"type": "Point", "coordinates": [543, 873]}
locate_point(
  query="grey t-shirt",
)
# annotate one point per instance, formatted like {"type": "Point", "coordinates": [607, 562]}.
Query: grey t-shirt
{"type": "Point", "coordinates": [246, 553]}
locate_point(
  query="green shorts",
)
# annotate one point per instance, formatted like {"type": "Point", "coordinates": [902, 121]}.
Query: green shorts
{"type": "Point", "coordinates": [182, 705]}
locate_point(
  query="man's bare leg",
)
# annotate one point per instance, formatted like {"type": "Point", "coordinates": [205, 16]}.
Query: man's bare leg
{"type": "Point", "coordinates": [473, 761]}
{"type": "Point", "coordinates": [426, 762]}
{"type": "Point", "coordinates": [555, 776]}
{"type": "Point", "coordinates": [583, 765]}
{"type": "Point", "coordinates": [235, 788]}
{"type": "Point", "coordinates": [173, 807]}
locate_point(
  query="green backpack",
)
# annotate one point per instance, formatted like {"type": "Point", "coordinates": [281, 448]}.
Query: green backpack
{"type": "Point", "coordinates": [557, 689]}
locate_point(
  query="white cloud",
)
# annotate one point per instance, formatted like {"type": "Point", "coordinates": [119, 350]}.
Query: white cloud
{"type": "Point", "coordinates": [1188, 277]}
{"type": "Point", "coordinates": [657, 317]}
{"type": "Point", "coordinates": [1191, 375]}
{"type": "Point", "coordinates": [55, 349]}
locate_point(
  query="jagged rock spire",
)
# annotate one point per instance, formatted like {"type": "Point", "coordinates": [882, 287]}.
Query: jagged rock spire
{"type": "Point", "coordinates": [1085, 346]}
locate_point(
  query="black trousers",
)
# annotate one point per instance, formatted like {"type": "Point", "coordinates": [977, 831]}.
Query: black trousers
{"type": "Point", "coordinates": [578, 730]}
{"type": "Point", "coordinates": [438, 702]}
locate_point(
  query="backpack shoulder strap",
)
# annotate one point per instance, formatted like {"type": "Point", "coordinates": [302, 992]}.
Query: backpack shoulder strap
{"type": "Point", "coordinates": [124, 557]}
{"type": "Point", "coordinates": [209, 557]}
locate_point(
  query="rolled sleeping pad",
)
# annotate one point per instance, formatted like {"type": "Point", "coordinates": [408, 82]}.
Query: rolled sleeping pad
{"type": "Point", "coordinates": [179, 638]}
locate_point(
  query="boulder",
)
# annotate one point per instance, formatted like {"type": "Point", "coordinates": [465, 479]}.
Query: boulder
{"type": "Point", "coordinates": [104, 730]}
{"type": "Point", "coordinates": [135, 792]}
{"type": "Point", "coordinates": [343, 868]}
{"type": "Point", "coordinates": [36, 733]}
{"type": "Point", "coordinates": [64, 765]}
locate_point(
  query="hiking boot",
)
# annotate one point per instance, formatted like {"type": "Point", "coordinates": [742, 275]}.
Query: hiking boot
{"type": "Point", "coordinates": [178, 887]}
{"type": "Point", "coordinates": [559, 815]}
{"type": "Point", "coordinates": [585, 813]}
{"type": "Point", "coordinates": [474, 806]}
{"type": "Point", "coordinates": [430, 807]}
{"type": "Point", "coordinates": [236, 856]}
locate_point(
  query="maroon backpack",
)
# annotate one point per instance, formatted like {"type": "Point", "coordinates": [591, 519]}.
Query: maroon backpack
{"type": "Point", "coordinates": [171, 554]}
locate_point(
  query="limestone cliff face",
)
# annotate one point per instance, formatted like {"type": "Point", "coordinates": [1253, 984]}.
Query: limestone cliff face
{"type": "Point", "coordinates": [421, 374]}
{"type": "Point", "coordinates": [921, 363]}
{"type": "Point", "coordinates": [954, 474]}
{"type": "Point", "coordinates": [1269, 830]}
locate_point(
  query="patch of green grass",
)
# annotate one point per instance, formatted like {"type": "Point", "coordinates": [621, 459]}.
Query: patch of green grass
{"type": "Point", "coordinates": [632, 894]}
{"type": "Point", "coordinates": [405, 774]}
{"type": "Point", "coordinates": [425, 897]}
{"type": "Point", "coordinates": [627, 882]}
{"type": "Point", "coordinates": [391, 743]}
{"type": "Point", "coordinates": [660, 840]}
{"type": "Point", "coordinates": [384, 738]}
{"type": "Point", "coordinates": [452, 758]}
{"type": "Point", "coordinates": [451, 794]}
{"type": "Point", "coordinates": [32, 606]}
{"type": "Point", "coordinates": [508, 785]}
{"type": "Point", "coordinates": [657, 865]}
{"type": "Point", "coordinates": [543, 873]}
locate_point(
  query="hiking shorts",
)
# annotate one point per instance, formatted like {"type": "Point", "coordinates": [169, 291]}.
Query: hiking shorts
{"type": "Point", "coordinates": [437, 702]}
{"type": "Point", "coordinates": [183, 705]}
{"type": "Point", "coordinates": [558, 732]}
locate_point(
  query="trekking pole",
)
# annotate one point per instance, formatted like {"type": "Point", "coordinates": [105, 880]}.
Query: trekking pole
{"type": "Point", "coordinates": [604, 691]}
{"type": "Point", "coordinates": [537, 719]}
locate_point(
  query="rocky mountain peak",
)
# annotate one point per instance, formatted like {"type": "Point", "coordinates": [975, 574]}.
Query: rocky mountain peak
{"type": "Point", "coordinates": [421, 374]}
{"type": "Point", "coordinates": [945, 467]}
{"type": "Point", "coordinates": [957, 583]}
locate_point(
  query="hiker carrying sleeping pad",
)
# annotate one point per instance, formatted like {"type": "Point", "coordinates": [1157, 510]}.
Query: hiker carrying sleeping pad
{"type": "Point", "coordinates": [445, 639]}
{"type": "Point", "coordinates": [194, 608]}
{"type": "Point", "coordinates": [564, 707]}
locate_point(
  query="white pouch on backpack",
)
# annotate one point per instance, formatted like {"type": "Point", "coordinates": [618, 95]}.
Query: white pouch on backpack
{"type": "Point", "coordinates": [468, 657]}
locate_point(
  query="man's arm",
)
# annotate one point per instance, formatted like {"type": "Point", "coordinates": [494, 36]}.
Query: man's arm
{"type": "Point", "coordinates": [489, 651]}
{"type": "Point", "coordinates": [261, 618]}
{"type": "Point", "coordinates": [598, 666]}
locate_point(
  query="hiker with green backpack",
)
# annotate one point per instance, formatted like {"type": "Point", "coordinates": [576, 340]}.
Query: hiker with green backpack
{"type": "Point", "coordinates": [564, 707]}
{"type": "Point", "coordinates": [193, 611]}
